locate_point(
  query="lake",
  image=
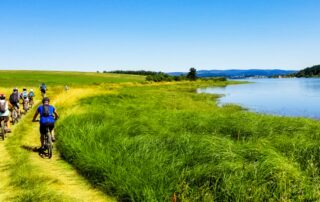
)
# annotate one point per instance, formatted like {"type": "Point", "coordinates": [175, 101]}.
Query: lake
{"type": "Point", "coordinates": [285, 97]}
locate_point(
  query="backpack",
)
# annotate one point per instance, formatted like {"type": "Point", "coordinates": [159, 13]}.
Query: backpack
{"type": "Point", "coordinates": [3, 107]}
{"type": "Point", "coordinates": [43, 87]}
{"type": "Point", "coordinates": [24, 94]}
{"type": "Point", "coordinates": [46, 110]}
{"type": "Point", "coordinates": [14, 98]}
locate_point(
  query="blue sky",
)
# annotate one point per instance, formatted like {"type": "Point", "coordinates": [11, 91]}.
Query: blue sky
{"type": "Point", "coordinates": [166, 35]}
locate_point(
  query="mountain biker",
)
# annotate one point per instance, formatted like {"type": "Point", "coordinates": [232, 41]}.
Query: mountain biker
{"type": "Point", "coordinates": [24, 94]}
{"type": "Point", "coordinates": [31, 94]}
{"type": "Point", "coordinates": [4, 111]}
{"type": "Point", "coordinates": [14, 100]}
{"type": "Point", "coordinates": [25, 99]}
{"type": "Point", "coordinates": [43, 89]}
{"type": "Point", "coordinates": [48, 116]}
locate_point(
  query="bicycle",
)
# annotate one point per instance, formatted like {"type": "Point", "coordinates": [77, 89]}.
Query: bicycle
{"type": "Point", "coordinates": [3, 127]}
{"type": "Point", "coordinates": [31, 103]}
{"type": "Point", "coordinates": [47, 143]}
{"type": "Point", "coordinates": [25, 105]}
{"type": "Point", "coordinates": [48, 146]}
{"type": "Point", "coordinates": [43, 93]}
{"type": "Point", "coordinates": [15, 115]}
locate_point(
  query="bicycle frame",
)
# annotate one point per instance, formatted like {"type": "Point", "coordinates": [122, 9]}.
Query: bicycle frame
{"type": "Point", "coordinates": [25, 105]}
{"type": "Point", "coordinates": [14, 115]}
{"type": "Point", "coordinates": [31, 102]}
{"type": "Point", "coordinates": [48, 142]}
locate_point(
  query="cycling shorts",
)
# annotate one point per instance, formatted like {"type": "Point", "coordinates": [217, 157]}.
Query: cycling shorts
{"type": "Point", "coordinates": [44, 127]}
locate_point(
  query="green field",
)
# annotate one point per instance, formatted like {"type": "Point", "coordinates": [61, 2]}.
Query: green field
{"type": "Point", "coordinates": [146, 143]}
{"type": "Point", "coordinates": [141, 141]}
{"type": "Point", "coordinates": [35, 78]}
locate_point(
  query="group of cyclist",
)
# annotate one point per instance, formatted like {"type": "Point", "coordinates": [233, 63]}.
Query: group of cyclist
{"type": "Point", "coordinates": [14, 104]}
{"type": "Point", "coordinates": [47, 112]}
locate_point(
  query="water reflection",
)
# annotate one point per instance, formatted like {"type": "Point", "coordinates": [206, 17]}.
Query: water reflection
{"type": "Point", "coordinates": [289, 97]}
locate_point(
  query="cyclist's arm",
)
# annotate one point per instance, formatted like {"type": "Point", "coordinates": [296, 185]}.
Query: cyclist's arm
{"type": "Point", "coordinates": [35, 116]}
{"type": "Point", "coordinates": [56, 115]}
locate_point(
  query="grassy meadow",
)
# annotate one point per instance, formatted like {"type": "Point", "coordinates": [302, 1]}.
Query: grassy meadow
{"type": "Point", "coordinates": [24, 175]}
{"type": "Point", "coordinates": [140, 141]}
{"type": "Point", "coordinates": [54, 79]}
{"type": "Point", "coordinates": [151, 142]}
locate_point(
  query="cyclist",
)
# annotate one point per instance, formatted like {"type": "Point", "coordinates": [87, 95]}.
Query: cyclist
{"type": "Point", "coordinates": [24, 94]}
{"type": "Point", "coordinates": [14, 100]}
{"type": "Point", "coordinates": [48, 116]}
{"type": "Point", "coordinates": [31, 94]}
{"type": "Point", "coordinates": [25, 99]}
{"type": "Point", "coordinates": [43, 89]}
{"type": "Point", "coordinates": [4, 111]}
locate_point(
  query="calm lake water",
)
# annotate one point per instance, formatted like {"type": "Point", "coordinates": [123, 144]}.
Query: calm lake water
{"type": "Point", "coordinates": [286, 97]}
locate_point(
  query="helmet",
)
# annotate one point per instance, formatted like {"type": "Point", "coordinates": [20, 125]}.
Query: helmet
{"type": "Point", "coordinates": [2, 96]}
{"type": "Point", "coordinates": [15, 89]}
{"type": "Point", "coordinates": [46, 99]}
{"type": "Point", "coordinates": [24, 88]}
{"type": "Point", "coordinates": [31, 90]}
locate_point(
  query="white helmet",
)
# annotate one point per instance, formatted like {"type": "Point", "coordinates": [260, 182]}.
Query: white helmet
{"type": "Point", "coordinates": [31, 90]}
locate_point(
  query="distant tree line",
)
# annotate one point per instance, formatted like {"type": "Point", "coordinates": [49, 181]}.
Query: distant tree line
{"type": "Point", "coordinates": [159, 76]}
{"type": "Point", "coordinates": [192, 76]}
{"type": "Point", "coordinates": [138, 72]}
{"type": "Point", "coordinates": [313, 71]}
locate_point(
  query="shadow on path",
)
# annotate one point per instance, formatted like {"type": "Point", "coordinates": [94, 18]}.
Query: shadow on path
{"type": "Point", "coordinates": [31, 149]}
{"type": "Point", "coordinates": [38, 150]}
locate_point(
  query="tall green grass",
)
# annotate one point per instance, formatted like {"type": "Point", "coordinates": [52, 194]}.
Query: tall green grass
{"type": "Point", "coordinates": [147, 143]}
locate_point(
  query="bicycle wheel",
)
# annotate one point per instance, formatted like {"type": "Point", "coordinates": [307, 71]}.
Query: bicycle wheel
{"type": "Point", "coordinates": [14, 117]}
{"type": "Point", "coordinates": [25, 107]}
{"type": "Point", "coordinates": [49, 144]}
{"type": "Point", "coordinates": [3, 130]}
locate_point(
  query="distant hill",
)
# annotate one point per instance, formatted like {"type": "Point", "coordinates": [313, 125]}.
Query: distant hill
{"type": "Point", "coordinates": [313, 71]}
{"type": "Point", "coordinates": [235, 73]}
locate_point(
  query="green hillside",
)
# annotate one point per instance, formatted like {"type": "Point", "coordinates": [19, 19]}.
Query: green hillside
{"type": "Point", "coordinates": [313, 71]}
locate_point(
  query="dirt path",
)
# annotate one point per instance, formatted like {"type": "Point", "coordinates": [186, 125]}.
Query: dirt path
{"type": "Point", "coordinates": [25, 176]}
{"type": "Point", "coordinates": [5, 188]}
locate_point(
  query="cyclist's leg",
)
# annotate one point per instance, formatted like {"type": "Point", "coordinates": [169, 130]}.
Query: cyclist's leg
{"type": "Point", "coordinates": [51, 128]}
{"type": "Point", "coordinates": [17, 105]}
{"type": "Point", "coordinates": [43, 93]}
{"type": "Point", "coordinates": [42, 134]}
{"type": "Point", "coordinates": [7, 122]}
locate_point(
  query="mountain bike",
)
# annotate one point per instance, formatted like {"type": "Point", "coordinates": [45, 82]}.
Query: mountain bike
{"type": "Point", "coordinates": [15, 115]}
{"type": "Point", "coordinates": [3, 127]}
{"type": "Point", "coordinates": [31, 103]}
{"type": "Point", "coordinates": [43, 93]}
{"type": "Point", "coordinates": [25, 105]}
{"type": "Point", "coordinates": [48, 146]}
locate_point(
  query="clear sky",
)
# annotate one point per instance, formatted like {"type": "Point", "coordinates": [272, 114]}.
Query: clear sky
{"type": "Point", "coordinates": [166, 35]}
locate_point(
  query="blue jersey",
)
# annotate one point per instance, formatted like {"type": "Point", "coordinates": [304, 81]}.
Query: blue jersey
{"type": "Point", "coordinates": [46, 119]}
